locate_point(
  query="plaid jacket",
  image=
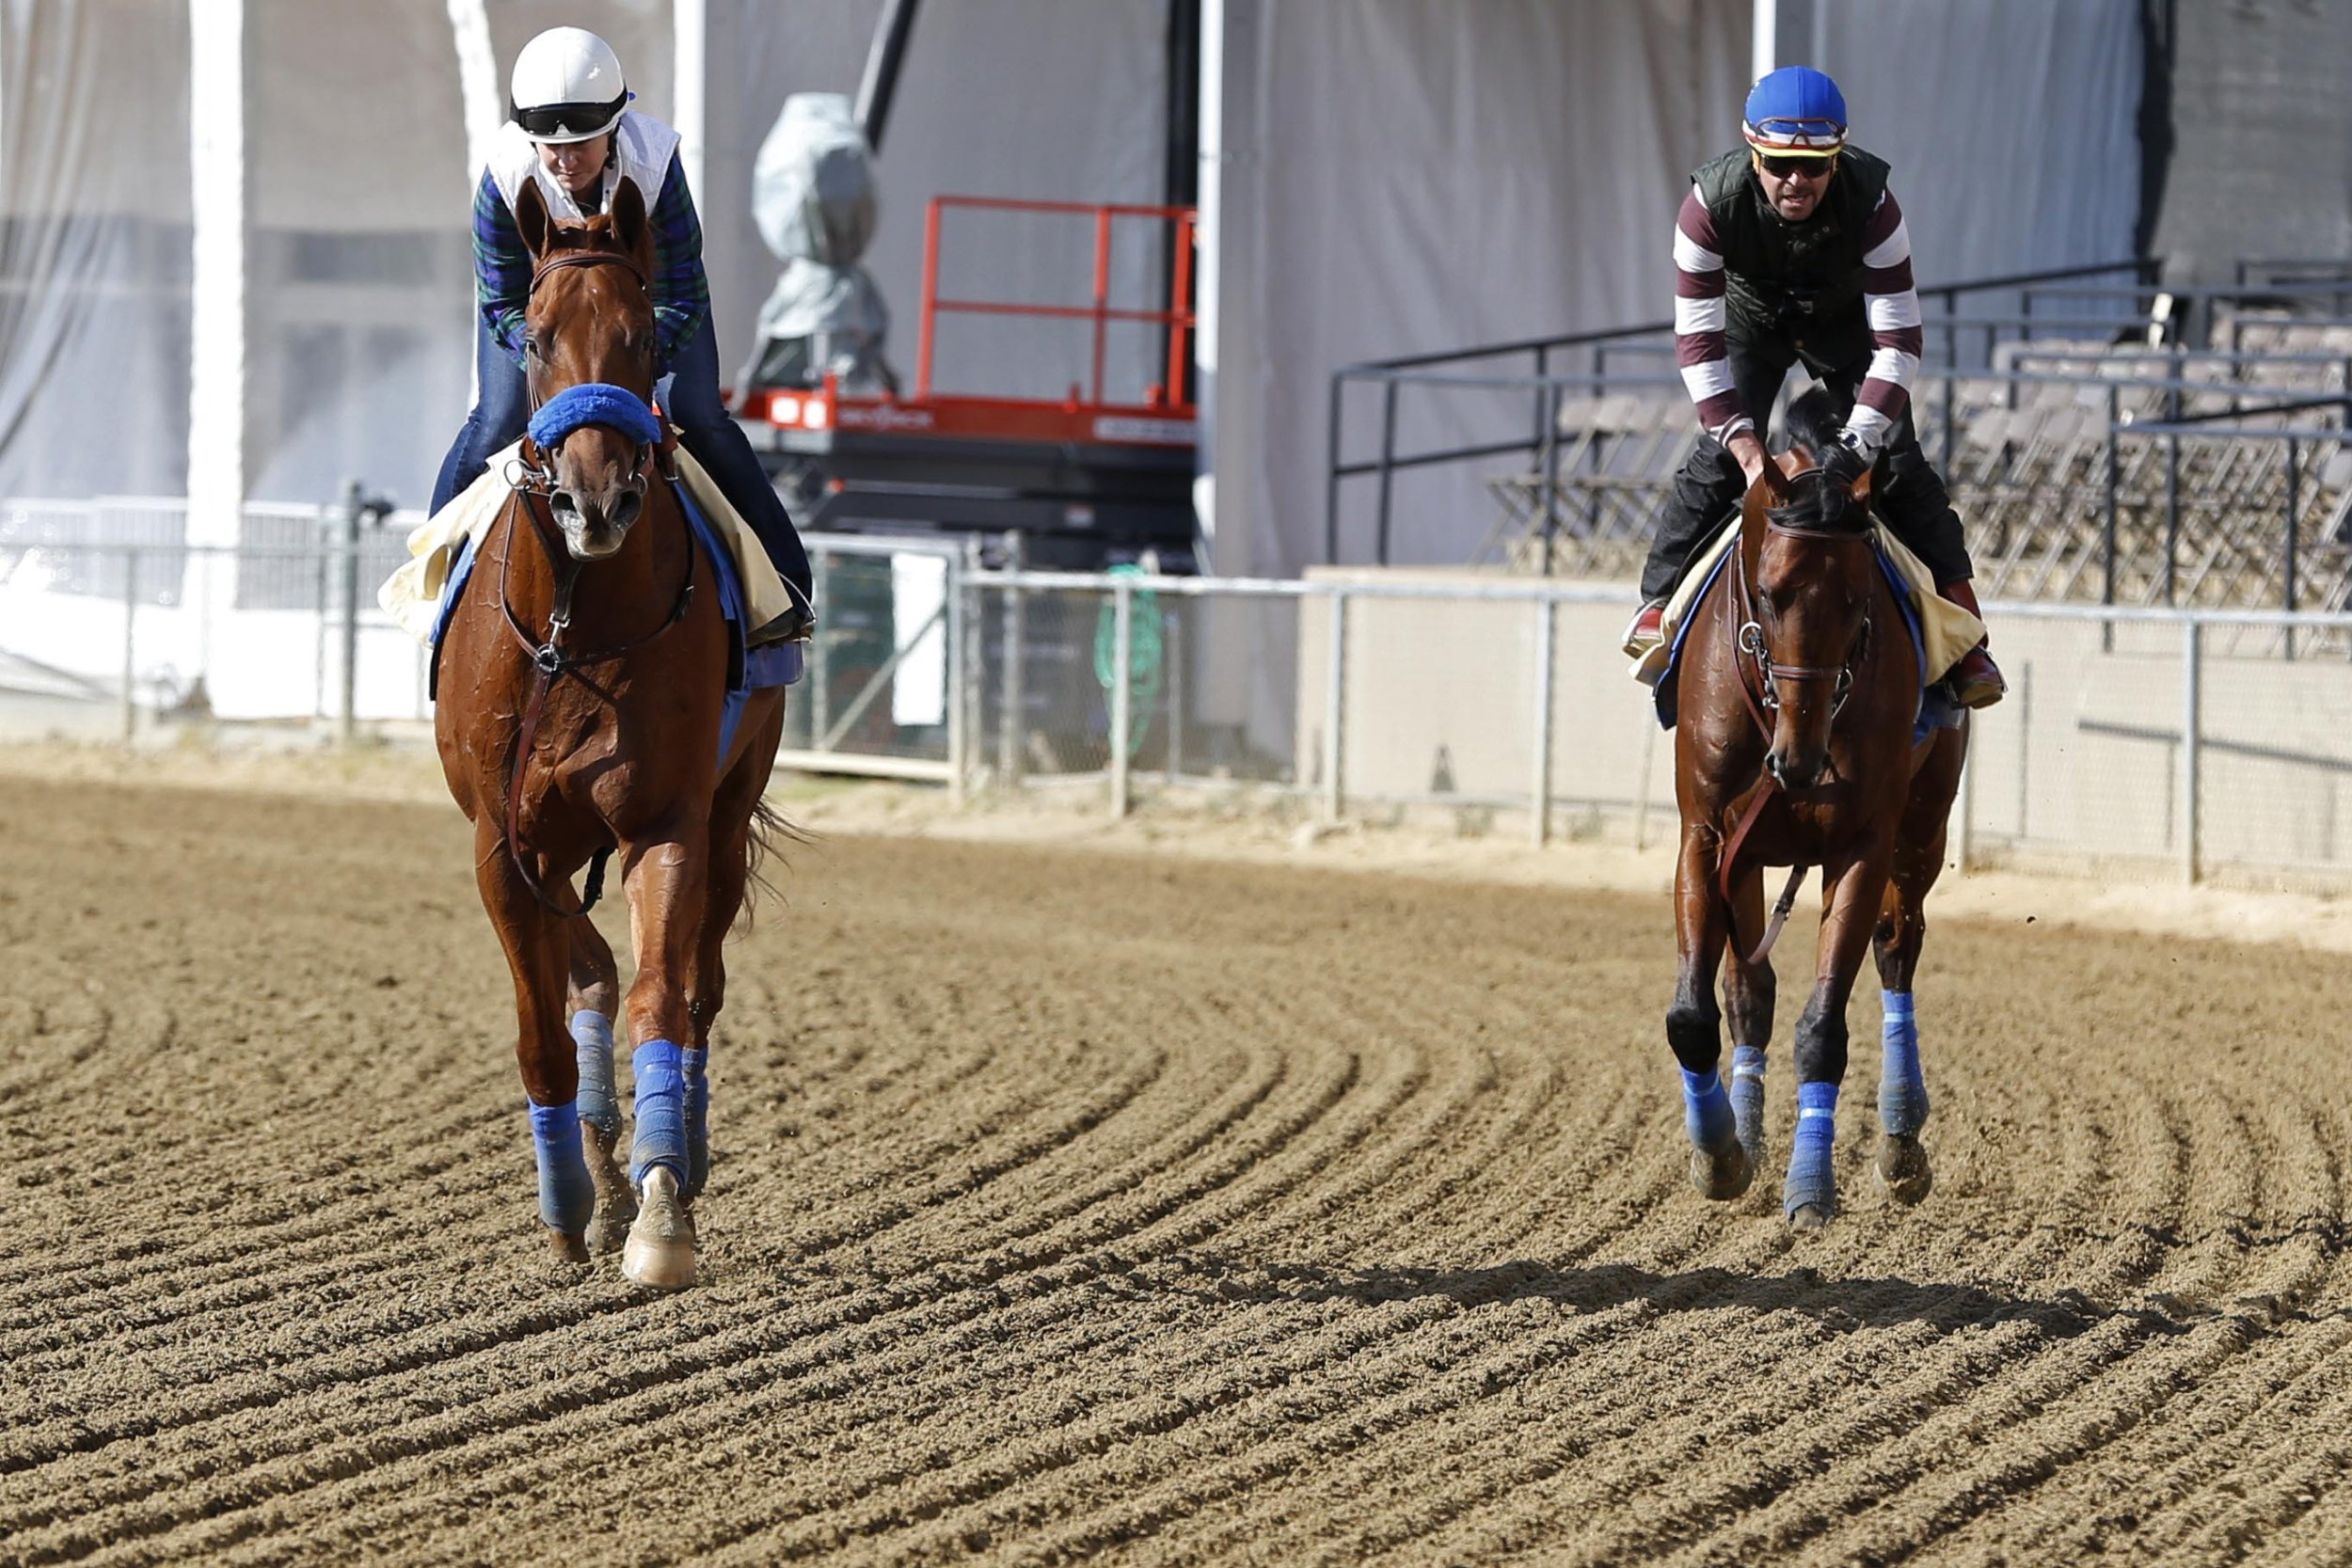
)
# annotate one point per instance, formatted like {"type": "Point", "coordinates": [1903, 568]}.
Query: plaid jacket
{"type": "Point", "coordinates": [501, 266]}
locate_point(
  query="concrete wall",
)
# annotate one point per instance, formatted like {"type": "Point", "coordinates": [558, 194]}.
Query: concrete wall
{"type": "Point", "coordinates": [2082, 764]}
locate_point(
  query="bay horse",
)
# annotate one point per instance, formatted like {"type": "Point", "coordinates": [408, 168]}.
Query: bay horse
{"type": "Point", "coordinates": [1798, 689]}
{"type": "Point", "coordinates": [581, 690]}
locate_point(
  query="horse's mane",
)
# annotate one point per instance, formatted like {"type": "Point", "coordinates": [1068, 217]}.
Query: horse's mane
{"type": "Point", "coordinates": [1814, 505]}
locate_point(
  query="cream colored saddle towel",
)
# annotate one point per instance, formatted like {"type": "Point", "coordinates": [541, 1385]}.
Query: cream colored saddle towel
{"type": "Point", "coordinates": [1946, 632]}
{"type": "Point", "coordinates": [412, 595]}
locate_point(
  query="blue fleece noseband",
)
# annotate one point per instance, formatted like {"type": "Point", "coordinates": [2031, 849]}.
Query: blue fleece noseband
{"type": "Point", "coordinates": [595, 402]}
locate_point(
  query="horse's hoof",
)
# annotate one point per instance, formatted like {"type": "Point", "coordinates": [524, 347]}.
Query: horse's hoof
{"type": "Point", "coordinates": [568, 1246]}
{"type": "Point", "coordinates": [617, 1200]}
{"type": "Point", "coordinates": [1902, 1168]}
{"type": "Point", "coordinates": [1722, 1173]}
{"type": "Point", "coordinates": [660, 1249]}
{"type": "Point", "coordinates": [1807, 1218]}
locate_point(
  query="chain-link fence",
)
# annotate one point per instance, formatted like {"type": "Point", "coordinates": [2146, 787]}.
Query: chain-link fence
{"type": "Point", "coordinates": [2134, 739]}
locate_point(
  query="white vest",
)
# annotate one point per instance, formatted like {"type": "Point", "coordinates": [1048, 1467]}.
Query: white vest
{"type": "Point", "coordinates": [642, 149]}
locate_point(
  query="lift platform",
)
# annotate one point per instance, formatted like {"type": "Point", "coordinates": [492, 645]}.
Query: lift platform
{"type": "Point", "coordinates": [1085, 481]}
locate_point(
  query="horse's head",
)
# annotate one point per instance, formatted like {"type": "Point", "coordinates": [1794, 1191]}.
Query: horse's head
{"type": "Point", "coordinates": [1813, 587]}
{"type": "Point", "coordinates": [591, 319]}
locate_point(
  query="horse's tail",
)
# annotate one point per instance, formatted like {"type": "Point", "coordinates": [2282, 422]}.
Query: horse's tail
{"type": "Point", "coordinates": [1815, 416]}
{"type": "Point", "coordinates": [767, 827]}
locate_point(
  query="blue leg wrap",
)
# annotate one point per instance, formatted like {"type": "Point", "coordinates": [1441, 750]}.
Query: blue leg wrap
{"type": "Point", "coordinates": [566, 1198]}
{"type": "Point", "coordinates": [1747, 1093]}
{"type": "Point", "coordinates": [696, 1063]}
{"type": "Point", "coordinates": [1706, 1109]}
{"type": "Point", "coordinates": [1902, 1089]}
{"type": "Point", "coordinates": [599, 1103]}
{"type": "Point", "coordinates": [1810, 1178]}
{"type": "Point", "coordinates": [660, 1111]}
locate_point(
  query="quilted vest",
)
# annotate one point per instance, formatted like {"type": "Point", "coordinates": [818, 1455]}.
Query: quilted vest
{"type": "Point", "coordinates": [1785, 279]}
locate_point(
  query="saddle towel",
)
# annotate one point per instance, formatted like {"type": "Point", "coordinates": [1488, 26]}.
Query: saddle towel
{"type": "Point", "coordinates": [412, 595]}
{"type": "Point", "coordinates": [1946, 632]}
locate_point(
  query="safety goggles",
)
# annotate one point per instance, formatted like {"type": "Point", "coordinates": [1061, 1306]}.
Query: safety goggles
{"type": "Point", "coordinates": [568, 121]}
{"type": "Point", "coordinates": [1783, 167]}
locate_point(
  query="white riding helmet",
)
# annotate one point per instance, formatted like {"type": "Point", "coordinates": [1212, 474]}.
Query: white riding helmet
{"type": "Point", "coordinates": [566, 86]}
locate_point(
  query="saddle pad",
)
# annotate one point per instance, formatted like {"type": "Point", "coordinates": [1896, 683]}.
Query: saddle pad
{"type": "Point", "coordinates": [1936, 710]}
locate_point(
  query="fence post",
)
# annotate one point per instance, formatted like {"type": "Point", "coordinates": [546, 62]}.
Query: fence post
{"type": "Point", "coordinates": [1551, 465]}
{"type": "Point", "coordinates": [1540, 829]}
{"type": "Point", "coordinates": [347, 731]}
{"type": "Point", "coordinates": [1964, 846]}
{"type": "Point", "coordinates": [820, 705]}
{"type": "Point", "coordinates": [1173, 674]}
{"type": "Point", "coordinates": [2192, 693]}
{"type": "Point", "coordinates": [1335, 706]}
{"type": "Point", "coordinates": [1331, 480]}
{"type": "Point", "coordinates": [1123, 684]}
{"type": "Point", "coordinates": [1011, 717]}
{"type": "Point", "coordinates": [130, 620]}
{"type": "Point", "coordinates": [2295, 504]}
{"type": "Point", "coordinates": [2107, 527]}
{"type": "Point", "coordinates": [1388, 458]}
{"type": "Point", "coordinates": [961, 678]}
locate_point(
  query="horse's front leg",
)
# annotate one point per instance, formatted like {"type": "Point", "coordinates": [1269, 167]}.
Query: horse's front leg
{"type": "Point", "coordinates": [1852, 887]}
{"type": "Point", "coordinates": [1902, 1163]}
{"type": "Point", "coordinates": [536, 952]}
{"type": "Point", "coordinates": [594, 1002]}
{"type": "Point", "coordinates": [1749, 991]}
{"type": "Point", "coordinates": [1719, 1166]}
{"type": "Point", "coordinates": [666, 875]}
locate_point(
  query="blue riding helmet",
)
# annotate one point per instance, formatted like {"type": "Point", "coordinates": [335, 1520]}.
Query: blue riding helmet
{"type": "Point", "coordinates": [1796, 111]}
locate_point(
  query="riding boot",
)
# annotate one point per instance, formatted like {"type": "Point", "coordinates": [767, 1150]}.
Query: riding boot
{"type": "Point", "coordinates": [1975, 681]}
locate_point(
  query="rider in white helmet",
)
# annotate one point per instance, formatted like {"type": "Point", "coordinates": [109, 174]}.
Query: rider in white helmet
{"type": "Point", "coordinates": [571, 130]}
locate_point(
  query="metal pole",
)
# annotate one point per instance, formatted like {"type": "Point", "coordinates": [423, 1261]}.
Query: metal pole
{"type": "Point", "coordinates": [1550, 467]}
{"type": "Point", "coordinates": [1012, 719]}
{"type": "Point", "coordinates": [2192, 684]}
{"type": "Point", "coordinates": [2115, 485]}
{"type": "Point", "coordinates": [1122, 669]}
{"type": "Point", "coordinates": [961, 676]}
{"type": "Point", "coordinates": [130, 620]}
{"type": "Point", "coordinates": [1331, 480]}
{"type": "Point", "coordinates": [350, 726]}
{"type": "Point", "coordinates": [2295, 504]}
{"type": "Point", "coordinates": [1172, 674]}
{"type": "Point", "coordinates": [1388, 453]}
{"type": "Point", "coordinates": [1335, 706]}
{"type": "Point", "coordinates": [820, 703]}
{"type": "Point", "coordinates": [1540, 827]}
{"type": "Point", "coordinates": [2171, 514]}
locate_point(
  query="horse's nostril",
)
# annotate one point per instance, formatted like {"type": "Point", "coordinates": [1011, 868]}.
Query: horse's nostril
{"type": "Point", "coordinates": [563, 503]}
{"type": "Point", "coordinates": [625, 510]}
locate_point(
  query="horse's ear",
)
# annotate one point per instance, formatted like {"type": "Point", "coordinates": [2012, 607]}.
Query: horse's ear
{"type": "Point", "coordinates": [629, 227]}
{"type": "Point", "coordinates": [531, 219]}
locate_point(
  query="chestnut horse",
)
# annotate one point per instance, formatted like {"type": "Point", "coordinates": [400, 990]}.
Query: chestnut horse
{"type": "Point", "coordinates": [581, 690]}
{"type": "Point", "coordinates": [1798, 689]}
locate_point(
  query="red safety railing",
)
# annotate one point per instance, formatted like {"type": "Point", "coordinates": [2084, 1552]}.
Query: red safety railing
{"type": "Point", "coordinates": [1177, 318]}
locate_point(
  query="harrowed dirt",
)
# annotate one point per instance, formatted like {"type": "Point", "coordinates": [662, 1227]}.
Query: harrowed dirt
{"type": "Point", "coordinates": [1074, 1203]}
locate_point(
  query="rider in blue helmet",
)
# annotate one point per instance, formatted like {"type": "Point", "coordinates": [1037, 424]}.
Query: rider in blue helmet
{"type": "Point", "coordinates": [1791, 250]}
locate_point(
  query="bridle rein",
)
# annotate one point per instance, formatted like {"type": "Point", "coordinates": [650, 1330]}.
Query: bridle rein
{"type": "Point", "coordinates": [533, 489]}
{"type": "Point", "coordinates": [1750, 650]}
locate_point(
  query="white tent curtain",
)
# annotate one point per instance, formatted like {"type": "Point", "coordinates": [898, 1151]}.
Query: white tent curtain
{"type": "Point", "coordinates": [94, 247]}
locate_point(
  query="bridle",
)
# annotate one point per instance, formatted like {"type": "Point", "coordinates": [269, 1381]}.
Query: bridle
{"type": "Point", "coordinates": [1751, 650]}
{"type": "Point", "coordinates": [533, 487]}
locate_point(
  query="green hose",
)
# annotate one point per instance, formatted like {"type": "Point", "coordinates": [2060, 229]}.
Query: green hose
{"type": "Point", "coordinates": [1144, 650]}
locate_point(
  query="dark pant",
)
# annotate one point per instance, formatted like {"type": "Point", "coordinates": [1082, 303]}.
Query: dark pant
{"type": "Point", "coordinates": [689, 394]}
{"type": "Point", "coordinates": [1905, 488]}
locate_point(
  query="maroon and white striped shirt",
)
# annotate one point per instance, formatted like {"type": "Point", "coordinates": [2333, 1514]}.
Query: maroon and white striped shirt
{"type": "Point", "coordinates": [1890, 300]}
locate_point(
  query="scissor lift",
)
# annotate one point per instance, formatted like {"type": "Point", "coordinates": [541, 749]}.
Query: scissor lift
{"type": "Point", "coordinates": [1086, 483]}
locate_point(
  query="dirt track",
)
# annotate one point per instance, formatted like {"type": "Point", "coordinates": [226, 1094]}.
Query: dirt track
{"type": "Point", "coordinates": [1070, 1202]}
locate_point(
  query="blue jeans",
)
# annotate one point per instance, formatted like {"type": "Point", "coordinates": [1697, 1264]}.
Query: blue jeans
{"type": "Point", "coordinates": [689, 394]}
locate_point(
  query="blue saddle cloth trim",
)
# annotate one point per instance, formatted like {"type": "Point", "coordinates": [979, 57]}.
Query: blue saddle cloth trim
{"type": "Point", "coordinates": [748, 669]}
{"type": "Point", "coordinates": [1936, 710]}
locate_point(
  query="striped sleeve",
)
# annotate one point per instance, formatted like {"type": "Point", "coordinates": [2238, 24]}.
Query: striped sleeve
{"type": "Point", "coordinates": [1891, 301]}
{"type": "Point", "coordinates": [501, 269]}
{"type": "Point", "coordinates": [681, 290]}
{"type": "Point", "coordinates": [1701, 348]}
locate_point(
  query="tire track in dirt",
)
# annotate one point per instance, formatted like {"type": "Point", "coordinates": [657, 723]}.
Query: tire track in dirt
{"type": "Point", "coordinates": [1070, 1205]}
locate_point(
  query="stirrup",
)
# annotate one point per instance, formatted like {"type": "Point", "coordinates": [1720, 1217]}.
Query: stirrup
{"type": "Point", "coordinates": [794, 626]}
